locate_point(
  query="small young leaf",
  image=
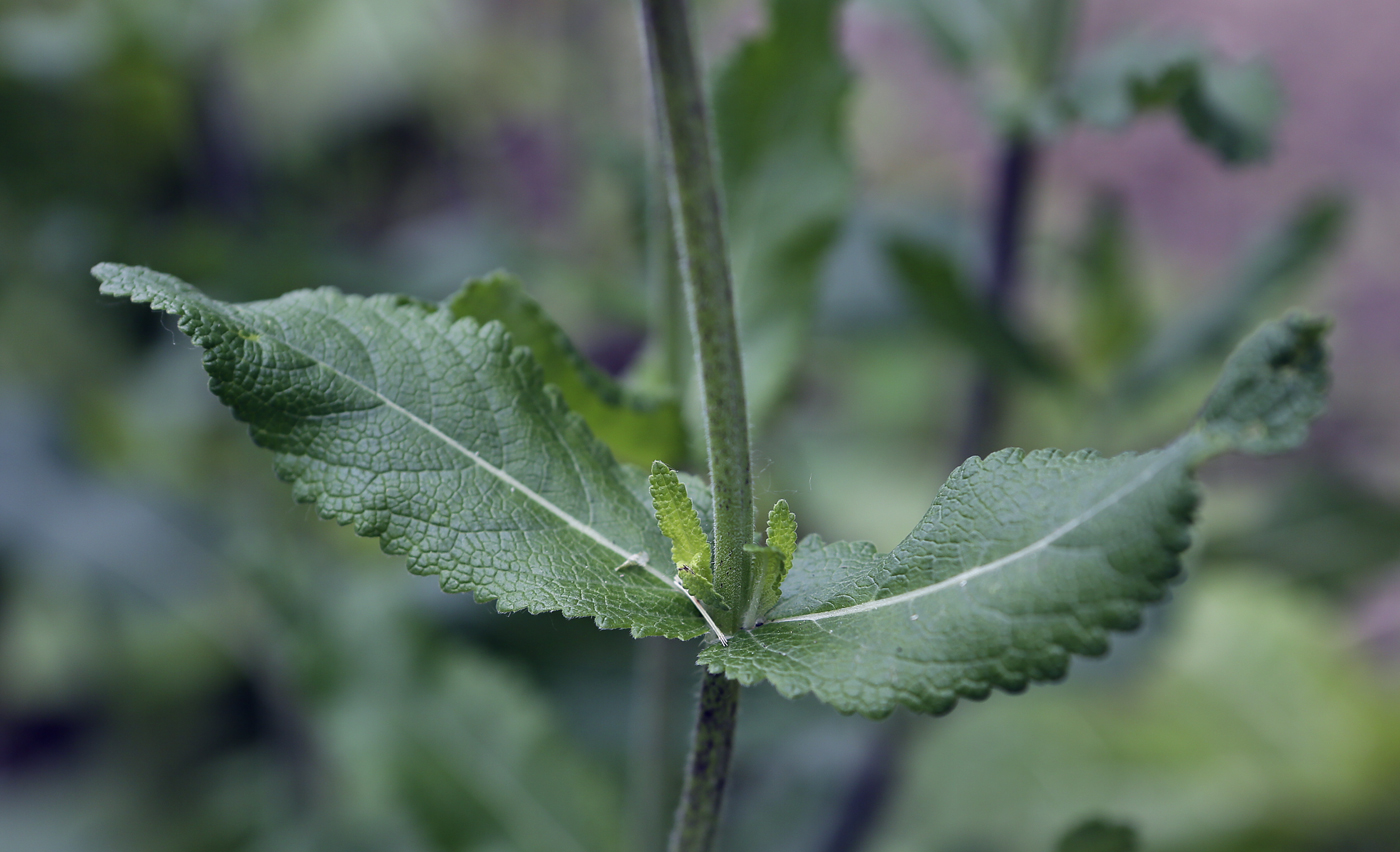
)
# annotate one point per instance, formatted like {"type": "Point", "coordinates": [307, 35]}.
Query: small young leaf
{"type": "Point", "coordinates": [438, 436]}
{"type": "Point", "coordinates": [782, 532]}
{"type": "Point", "coordinates": [636, 428]}
{"type": "Point", "coordinates": [769, 568]}
{"type": "Point", "coordinates": [776, 559]}
{"type": "Point", "coordinates": [680, 522]}
{"type": "Point", "coordinates": [1023, 559]}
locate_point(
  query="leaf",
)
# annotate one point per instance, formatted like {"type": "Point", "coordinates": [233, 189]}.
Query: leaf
{"type": "Point", "coordinates": [775, 560]}
{"type": "Point", "coordinates": [690, 548]}
{"type": "Point", "coordinates": [780, 117]}
{"type": "Point", "coordinates": [1229, 108]}
{"type": "Point", "coordinates": [1099, 835]}
{"type": "Point", "coordinates": [438, 436]}
{"type": "Point", "coordinates": [938, 285]}
{"type": "Point", "coordinates": [637, 428]}
{"type": "Point", "coordinates": [782, 532]}
{"type": "Point", "coordinates": [679, 521]}
{"type": "Point", "coordinates": [1283, 260]}
{"type": "Point", "coordinates": [1023, 559]}
{"type": "Point", "coordinates": [1187, 742]}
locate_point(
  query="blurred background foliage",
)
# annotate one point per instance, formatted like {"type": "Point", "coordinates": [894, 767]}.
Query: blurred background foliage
{"type": "Point", "coordinates": [190, 661]}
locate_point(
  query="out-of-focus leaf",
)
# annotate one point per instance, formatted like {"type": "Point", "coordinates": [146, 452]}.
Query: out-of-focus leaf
{"type": "Point", "coordinates": [962, 32]}
{"type": "Point", "coordinates": [1013, 49]}
{"type": "Point", "coordinates": [418, 740]}
{"type": "Point", "coordinates": [479, 732]}
{"type": "Point", "coordinates": [1284, 260]}
{"type": "Point", "coordinates": [1112, 323]}
{"type": "Point", "coordinates": [1258, 711]}
{"type": "Point", "coordinates": [638, 429]}
{"type": "Point", "coordinates": [1098, 835]}
{"type": "Point", "coordinates": [780, 116]}
{"type": "Point", "coordinates": [1320, 528]}
{"type": "Point", "coordinates": [1023, 559]}
{"type": "Point", "coordinates": [437, 436]}
{"type": "Point", "coordinates": [940, 287]}
{"type": "Point", "coordinates": [1229, 108]}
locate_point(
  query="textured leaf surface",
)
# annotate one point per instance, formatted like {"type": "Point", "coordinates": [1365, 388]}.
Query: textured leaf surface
{"type": "Point", "coordinates": [780, 110]}
{"type": "Point", "coordinates": [782, 543]}
{"type": "Point", "coordinates": [1023, 559]}
{"type": "Point", "coordinates": [638, 429]}
{"type": "Point", "coordinates": [438, 436]}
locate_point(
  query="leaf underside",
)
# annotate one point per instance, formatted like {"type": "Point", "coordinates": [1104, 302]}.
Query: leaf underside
{"type": "Point", "coordinates": [638, 429]}
{"type": "Point", "coordinates": [1023, 560]}
{"type": "Point", "coordinates": [438, 436]}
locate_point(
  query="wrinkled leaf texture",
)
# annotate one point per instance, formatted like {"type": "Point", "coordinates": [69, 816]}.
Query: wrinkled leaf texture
{"type": "Point", "coordinates": [438, 436]}
{"type": "Point", "coordinates": [1024, 558]}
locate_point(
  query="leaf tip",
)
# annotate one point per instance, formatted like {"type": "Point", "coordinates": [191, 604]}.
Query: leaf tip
{"type": "Point", "coordinates": [1271, 389]}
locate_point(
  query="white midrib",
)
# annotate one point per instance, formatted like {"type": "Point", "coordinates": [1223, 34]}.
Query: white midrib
{"type": "Point", "coordinates": [528, 492]}
{"type": "Point", "coordinates": [1168, 455]}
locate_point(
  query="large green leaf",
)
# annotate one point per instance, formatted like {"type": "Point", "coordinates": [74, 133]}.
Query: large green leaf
{"type": "Point", "coordinates": [1023, 559]}
{"type": "Point", "coordinates": [638, 429]}
{"type": "Point", "coordinates": [780, 109]}
{"type": "Point", "coordinates": [438, 436]}
{"type": "Point", "coordinates": [1230, 108]}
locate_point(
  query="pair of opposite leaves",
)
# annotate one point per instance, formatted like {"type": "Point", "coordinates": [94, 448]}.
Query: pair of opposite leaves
{"type": "Point", "coordinates": [436, 434]}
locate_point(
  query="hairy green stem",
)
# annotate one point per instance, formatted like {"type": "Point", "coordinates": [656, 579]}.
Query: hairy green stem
{"type": "Point", "coordinates": [696, 215]}
{"type": "Point", "coordinates": [697, 815]}
{"type": "Point", "coordinates": [693, 185]}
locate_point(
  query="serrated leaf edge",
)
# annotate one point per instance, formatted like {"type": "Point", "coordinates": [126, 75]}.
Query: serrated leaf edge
{"type": "Point", "coordinates": [1179, 450]}
{"type": "Point", "coordinates": [116, 281]}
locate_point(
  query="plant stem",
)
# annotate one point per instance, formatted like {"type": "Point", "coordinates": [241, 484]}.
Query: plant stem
{"type": "Point", "coordinates": [695, 212]}
{"type": "Point", "coordinates": [707, 767]}
{"type": "Point", "coordinates": [1016, 171]}
{"type": "Point", "coordinates": [704, 259]}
